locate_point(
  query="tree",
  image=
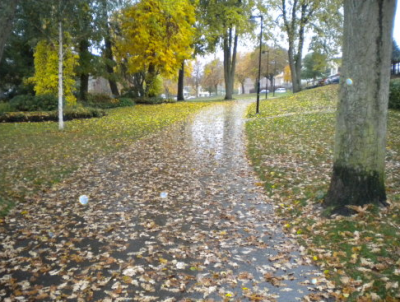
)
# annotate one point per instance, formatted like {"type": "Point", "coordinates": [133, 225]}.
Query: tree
{"type": "Point", "coordinates": [224, 21]}
{"type": "Point", "coordinates": [45, 79]}
{"type": "Point", "coordinates": [243, 68]}
{"type": "Point", "coordinates": [395, 58]}
{"type": "Point", "coordinates": [299, 16]}
{"type": "Point", "coordinates": [213, 73]}
{"type": "Point", "coordinates": [287, 75]}
{"type": "Point", "coordinates": [156, 37]}
{"type": "Point", "coordinates": [359, 156]}
{"type": "Point", "coordinates": [7, 13]}
{"type": "Point", "coordinates": [17, 61]}
{"type": "Point", "coordinates": [181, 83]}
{"type": "Point", "coordinates": [274, 63]}
{"type": "Point", "coordinates": [315, 65]}
{"type": "Point", "coordinates": [196, 76]}
{"type": "Point", "coordinates": [395, 53]}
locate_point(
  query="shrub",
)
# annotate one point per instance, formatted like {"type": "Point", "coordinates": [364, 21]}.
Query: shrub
{"type": "Point", "coordinates": [22, 102]}
{"type": "Point", "coordinates": [41, 116]}
{"type": "Point", "coordinates": [153, 101]}
{"type": "Point", "coordinates": [101, 100]}
{"type": "Point", "coordinates": [126, 102]}
{"type": "Point", "coordinates": [82, 112]}
{"type": "Point", "coordinates": [394, 94]}
{"type": "Point", "coordinates": [45, 102]}
{"type": "Point", "coordinates": [27, 102]}
{"type": "Point", "coordinates": [5, 107]}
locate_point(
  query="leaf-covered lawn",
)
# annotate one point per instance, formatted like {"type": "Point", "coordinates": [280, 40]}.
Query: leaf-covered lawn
{"type": "Point", "coordinates": [35, 155]}
{"type": "Point", "coordinates": [290, 145]}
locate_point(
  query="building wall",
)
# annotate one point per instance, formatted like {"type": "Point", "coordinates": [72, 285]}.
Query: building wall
{"type": "Point", "coordinates": [99, 85]}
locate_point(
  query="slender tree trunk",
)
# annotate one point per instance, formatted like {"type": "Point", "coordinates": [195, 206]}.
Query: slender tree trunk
{"type": "Point", "coordinates": [359, 157]}
{"type": "Point", "coordinates": [60, 76]}
{"type": "Point", "coordinates": [197, 89]}
{"type": "Point", "coordinates": [299, 59]}
{"type": "Point", "coordinates": [181, 82]}
{"type": "Point", "coordinates": [7, 13]}
{"type": "Point", "coordinates": [230, 50]}
{"type": "Point", "coordinates": [84, 75]}
{"type": "Point", "coordinates": [109, 66]}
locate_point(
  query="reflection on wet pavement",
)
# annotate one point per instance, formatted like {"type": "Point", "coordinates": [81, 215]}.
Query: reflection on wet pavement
{"type": "Point", "coordinates": [212, 238]}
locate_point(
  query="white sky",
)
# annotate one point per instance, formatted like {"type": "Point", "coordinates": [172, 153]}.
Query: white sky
{"type": "Point", "coordinates": [396, 30]}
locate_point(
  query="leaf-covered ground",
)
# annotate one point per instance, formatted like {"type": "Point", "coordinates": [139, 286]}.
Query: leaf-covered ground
{"type": "Point", "coordinates": [291, 144]}
{"type": "Point", "coordinates": [36, 155]}
{"type": "Point", "coordinates": [176, 216]}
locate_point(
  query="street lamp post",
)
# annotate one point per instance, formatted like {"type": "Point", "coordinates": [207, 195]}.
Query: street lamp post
{"type": "Point", "coordinates": [259, 63]}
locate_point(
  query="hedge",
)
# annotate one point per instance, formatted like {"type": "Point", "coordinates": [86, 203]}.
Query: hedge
{"type": "Point", "coordinates": [41, 116]}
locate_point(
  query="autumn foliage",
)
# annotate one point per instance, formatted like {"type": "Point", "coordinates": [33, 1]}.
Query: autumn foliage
{"type": "Point", "coordinates": [156, 36]}
{"type": "Point", "coordinates": [45, 78]}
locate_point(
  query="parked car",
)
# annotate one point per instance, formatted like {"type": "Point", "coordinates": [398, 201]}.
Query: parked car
{"type": "Point", "coordinates": [264, 91]}
{"type": "Point", "coordinates": [334, 79]}
{"type": "Point", "coordinates": [280, 90]}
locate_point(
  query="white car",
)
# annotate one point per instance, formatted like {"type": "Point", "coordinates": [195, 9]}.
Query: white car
{"type": "Point", "coordinates": [280, 90]}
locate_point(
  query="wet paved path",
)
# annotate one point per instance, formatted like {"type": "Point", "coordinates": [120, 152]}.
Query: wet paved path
{"type": "Point", "coordinates": [213, 238]}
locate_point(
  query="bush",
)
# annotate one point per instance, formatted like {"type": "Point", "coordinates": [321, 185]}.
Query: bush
{"type": "Point", "coordinates": [394, 94]}
{"type": "Point", "coordinates": [27, 102]}
{"type": "Point", "coordinates": [40, 116]}
{"type": "Point", "coordinates": [45, 102]}
{"type": "Point", "coordinates": [5, 107]}
{"type": "Point", "coordinates": [153, 101]}
{"type": "Point", "coordinates": [126, 102]}
{"type": "Point", "coordinates": [22, 102]}
{"type": "Point", "coordinates": [101, 100]}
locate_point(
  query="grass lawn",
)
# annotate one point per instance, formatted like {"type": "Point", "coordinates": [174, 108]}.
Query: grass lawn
{"type": "Point", "coordinates": [291, 144]}
{"type": "Point", "coordinates": [34, 156]}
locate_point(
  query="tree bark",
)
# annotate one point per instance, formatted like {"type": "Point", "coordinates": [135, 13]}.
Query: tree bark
{"type": "Point", "coordinates": [181, 82]}
{"type": "Point", "coordinates": [359, 157]}
{"type": "Point", "coordinates": [230, 51]}
{"type": "Point", "coordinates": [110, 70]}
{"type": "Point", "coordinates": [60, 76]}
{"type": "Point", "coordinates": [7, 14]}
{"type": "Point", "coordinates": [84, 75]}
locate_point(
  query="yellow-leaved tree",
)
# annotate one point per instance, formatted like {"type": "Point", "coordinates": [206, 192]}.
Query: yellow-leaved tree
{"type": "Point", "coordinates": [287, 75]}
{"type": "Point", "coordinates": [156, 37]}
{"type": "Point", "coordinates": [45, 79]}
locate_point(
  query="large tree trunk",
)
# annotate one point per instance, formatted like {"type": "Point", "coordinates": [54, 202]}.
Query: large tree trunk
{"type": "Point", "coordinates": [84, 75]}
{"type": "Point", "coordinates": [293, 72]}
{"type": "Point", "coordinates": [359, 157]}
{"type": "Point", "coordinates": [181, 82]}
{"type": "Point", "coordinates": [7, 13]}
{"type": "Point", "coordinates": [230, 50]}
{"type": "Point", "coordinates": [150, 78]}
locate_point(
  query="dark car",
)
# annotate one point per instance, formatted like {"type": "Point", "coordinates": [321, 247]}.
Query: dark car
{"type": "Point", "coordinates": [333, 79]}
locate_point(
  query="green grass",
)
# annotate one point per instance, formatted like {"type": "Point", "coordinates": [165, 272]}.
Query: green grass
{"type": "Point", "coordinates": [34, 156]}
{"type": "Point", "coordinates": [290, 144]}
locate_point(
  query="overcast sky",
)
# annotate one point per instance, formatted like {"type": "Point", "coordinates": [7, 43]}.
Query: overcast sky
{"type": "Point", "coordinates": [396, 32]}
{"type": "Point", "coordinates": [247, 46]}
